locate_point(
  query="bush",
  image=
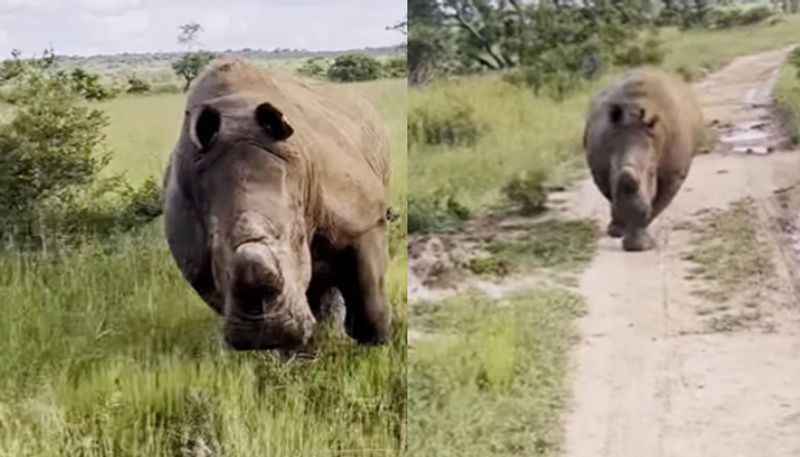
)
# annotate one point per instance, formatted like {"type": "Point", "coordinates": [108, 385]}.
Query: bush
{"type": "Point", "coordinates": [649, 52]}
{"type": "Point", "coordinates": [527, 190]}
{"type": "Point", "coordinates": [137, 86]}
{"type": "Point", "coordinates": [435, 212]}
{"type": "Point", "coordinates": [454, 125]}
{"type": "Point", "coordinates": [51, 155]}
{"type": "Point", "coordinates": [354, 67]}
{"type": "Point", "coordinates": [88, 85]}
{"type": "Point", "coordinates": [315, 67]}
{"type": "Point", "coordinates": [396, 67]}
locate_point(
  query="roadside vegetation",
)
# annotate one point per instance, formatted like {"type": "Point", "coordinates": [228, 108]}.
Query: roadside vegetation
{"type": "Point", "coordinates": [487, 378]}
{"type": "Point", "coordinates": [787, 96]}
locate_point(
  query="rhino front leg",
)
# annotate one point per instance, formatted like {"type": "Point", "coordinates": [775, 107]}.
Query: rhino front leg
{"type": "Point", "coordinates": [616, 228]}
{"type": "Point", "coordinates": [667, 189]}
{"type": "Point", "coordinates": [368, 317]}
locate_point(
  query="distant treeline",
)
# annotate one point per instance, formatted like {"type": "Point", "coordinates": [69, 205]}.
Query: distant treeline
{"type": "Point", "coordinates": [166, 58]}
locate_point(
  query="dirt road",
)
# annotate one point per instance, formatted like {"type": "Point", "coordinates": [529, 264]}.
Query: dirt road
{"type": "Point", "coordinates": [650, 377]}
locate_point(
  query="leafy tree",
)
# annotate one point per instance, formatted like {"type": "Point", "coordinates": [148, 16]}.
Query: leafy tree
{"type": "Point", "coordinates": [51, 155]}
{"type": "Point", "coordinates": [191, 63]}
{"type": "Point", "coordinates": [396, 67]}
{"type": "Point", "coordinates": [354, 67]}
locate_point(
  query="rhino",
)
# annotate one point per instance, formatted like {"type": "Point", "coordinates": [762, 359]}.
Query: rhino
{"type": "Point", "coordinates": [275, 194]}
{"type": "Point", "coordinates": [640, 137]}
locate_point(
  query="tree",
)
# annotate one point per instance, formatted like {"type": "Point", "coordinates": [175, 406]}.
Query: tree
{"type": "Point", "coordinates": [191, 63]}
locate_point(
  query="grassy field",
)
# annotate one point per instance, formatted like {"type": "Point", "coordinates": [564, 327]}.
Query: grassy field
{"type": "Point", "coordinates": [513, 130]}
{"type": "Point", "coordinates": [485, 378]}
{"type": "Point", "coordinates": [105, 350]}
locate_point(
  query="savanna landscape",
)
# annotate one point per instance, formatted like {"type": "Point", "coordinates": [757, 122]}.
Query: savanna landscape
{"type": "Point", "coordinates": [107, 351]}
{"type": "Point", "coordinates": [531, 332]}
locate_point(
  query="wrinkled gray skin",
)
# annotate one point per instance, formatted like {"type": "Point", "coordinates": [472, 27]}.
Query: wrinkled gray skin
{"type": "Point", "coordinates": [640, 138]}
{"type": "Point", "coordinates": [275, 201]}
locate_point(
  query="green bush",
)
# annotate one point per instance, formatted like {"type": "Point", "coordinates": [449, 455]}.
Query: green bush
{"type": "Point", "coordinates": [315, 67]}
{"type": "Point", "coordinates": [527, 191]}
{"type": "Point", "coordinates": [454, 125]}
{"type": "Point", "coordinates": [648, 52]}
{"type": "Point", "coordinates": [396, 67]}
{"type": "Point", "coordinates": [88, 85]}
{"type": "Point", "coordinates": [435, 212]}
{"type": "Point", "coordinates": [137, 86]}
{"type": "Point", "coordinates": [354, 67]}
{"type": "Point", "coordinates": [51, 156]}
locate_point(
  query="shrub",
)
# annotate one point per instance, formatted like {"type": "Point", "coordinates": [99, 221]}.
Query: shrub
{"type": "Point", "coordinates": [527, 190]}
{"type": "Point", "coordinates": [315, 67]}
{"type": "Point", "coordinates": [354, 67]}
{"type": "Point", "coordinates": [648, 52]}
{"type": "Point", "coordinates": [137, 86]}
{"type": "Point", "coordinates": [456, 124]}
{"type": "Point", "coordinates": [88, 85]}
{"type": "Point", "coordinates": [435, 212]}
{"type": "Point", "coordinates": [51, 155]}
{"type": "Point", "coordinates": [396, 67]}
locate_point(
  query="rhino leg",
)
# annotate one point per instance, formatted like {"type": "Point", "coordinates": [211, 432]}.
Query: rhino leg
{"type": "Point", "coordinates": [638, 240]}
{"type": "Point", "coordinates": [616, 228]}
{"type": "Point", "coordinates": [368, 317]}
{"type": "Point", "coordinates": [667, 189]}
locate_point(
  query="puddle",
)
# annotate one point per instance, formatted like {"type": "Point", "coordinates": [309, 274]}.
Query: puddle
{"type": "Point", "coordinates": [750, 137]}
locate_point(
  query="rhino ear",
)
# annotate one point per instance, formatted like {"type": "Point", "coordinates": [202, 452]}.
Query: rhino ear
{"type": "Point", "coordinates": [648, 122]}
{"type": "Point", "coordinates": [616, 114]}
{"type": "Point", "coordinates": [205, 127]}
{"type": "Point", "coordinates": [273, 121]}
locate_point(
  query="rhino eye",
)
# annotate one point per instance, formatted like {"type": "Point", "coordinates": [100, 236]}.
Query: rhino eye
{"type": "Point", "coordinates": [206, 127]}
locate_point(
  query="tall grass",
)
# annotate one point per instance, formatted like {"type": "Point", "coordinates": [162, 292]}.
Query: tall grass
{"type": "Point", "coordinates": [106, 351]}
{"type": "Point", "coordinates": [486, 378]}
{"type": "Point", "coordinates": [787, 99]}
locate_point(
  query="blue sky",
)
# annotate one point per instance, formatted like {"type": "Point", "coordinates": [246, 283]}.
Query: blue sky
{"type": "Point", "coordinates": [86, 27]}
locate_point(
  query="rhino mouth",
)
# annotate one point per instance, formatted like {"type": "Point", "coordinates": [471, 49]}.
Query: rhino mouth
{"type": "Point", "coordinates": [281, 327]}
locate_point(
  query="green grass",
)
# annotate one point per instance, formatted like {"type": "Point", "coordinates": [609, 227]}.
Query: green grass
{"type": "Point", "coordinates": [712, 49]}
{"type": "Point", "coordinates": [727, 253]}
{"type": "Point", "coordinates": [486, 378]}
{"type": "Point", "coordinates": [521, 131]}
{"type": "Point", "coordinates": [787, 99]}
{"type": "Point", "coordinates": [106, 351]}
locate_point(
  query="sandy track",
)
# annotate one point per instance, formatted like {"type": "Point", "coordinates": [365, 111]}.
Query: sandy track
{"type": "Point", "coordinates": [650, 378]}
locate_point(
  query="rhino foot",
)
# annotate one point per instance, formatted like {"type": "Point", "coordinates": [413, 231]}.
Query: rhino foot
{"type": "Point", "coordinates": [638, 241]}
{"type": "Point", "coordinates": [615, 230]}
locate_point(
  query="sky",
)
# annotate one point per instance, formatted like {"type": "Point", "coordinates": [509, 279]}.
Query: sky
{"type": "Point", "coordinates": [88, 27]}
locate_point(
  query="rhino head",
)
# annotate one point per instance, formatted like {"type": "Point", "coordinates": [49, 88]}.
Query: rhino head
{"type": "Point", "coordinates": [235, 210]}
